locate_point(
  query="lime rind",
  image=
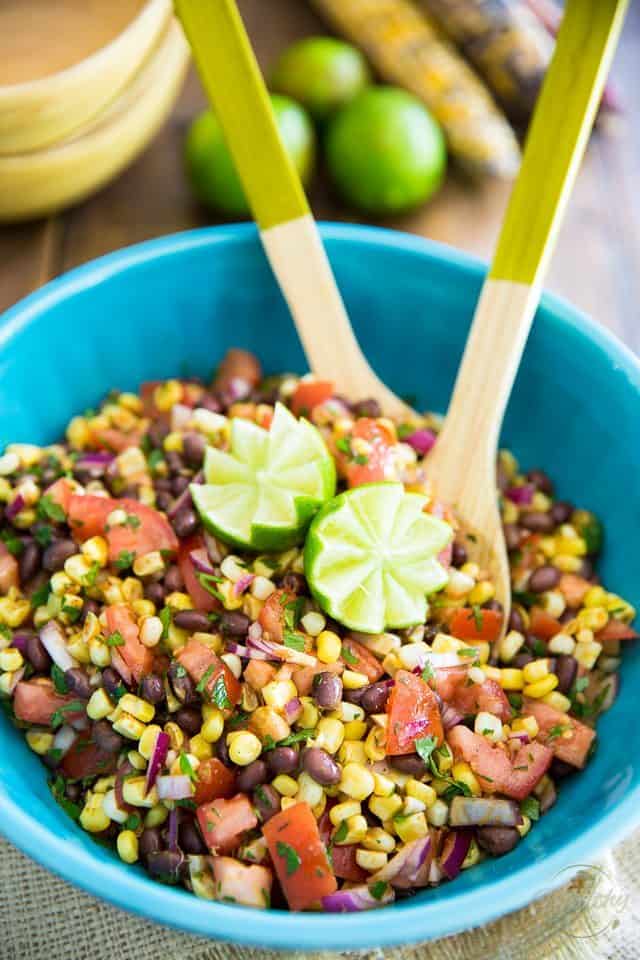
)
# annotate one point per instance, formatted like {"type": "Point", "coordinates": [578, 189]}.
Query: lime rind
{"type": "Point", "coordinates": [371, 557]}
{"type": "Point", "coordinates": [263, 493]}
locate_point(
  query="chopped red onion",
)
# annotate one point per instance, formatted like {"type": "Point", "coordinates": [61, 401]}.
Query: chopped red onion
{"type": "Point", "coordinates": [355, 899]}
{"type": "Point", "coordinates": [422, 441]}
{"type": "Point", "coordinates": [20, 641]}
{"type": "Point", "coordinates": [254, 632]}
{"type": "Point", "coordinates": [118, 663]}
{"type": "Point", "coordinates": [450, 716]}
{"type": "Point", "coordinates": [64, 740]}
{"type": "Point", "coordinates": [521, 736]}
{"type": "Point", "coordinates": [243, 584]}
{"type": "Point", "coordinates": [522, 496]}
{"type": "Point", "coordinates": [409, 867]}
{"type": "Point", "coordinates": [237, 648]}
{"type": "Point", "coordinates": [212, 545]}
{"type": "Point", "coordinates": [176, 787]}
{"type": "Point", "coordinates": [484, 812]}
{"type": "Point", "coordinates": [55, 643]}
{"type": "Point", "coordinates": [200, 560]}
{"type": "Point", "coordinates": [174, 818]}
{"type": "Point", "coordinates": [158, 757]}
{"type": "Point", "coordinates": [100, 459]}
{"type": "Point", "coordinates": [13, 509]}
{"type": "Point", "coordinates": [455, 848]}
{"type": "Point", "coordinates": [293, 709]}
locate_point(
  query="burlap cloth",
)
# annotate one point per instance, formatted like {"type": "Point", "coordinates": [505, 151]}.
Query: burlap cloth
{"type": "Point", "coordinates": [595, 917]}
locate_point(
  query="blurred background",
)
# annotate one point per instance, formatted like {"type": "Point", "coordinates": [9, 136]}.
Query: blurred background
{"type": "Point", "coordinates": [433, 155]}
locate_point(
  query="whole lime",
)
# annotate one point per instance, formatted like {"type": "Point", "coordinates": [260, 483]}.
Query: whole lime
{"type": "Point", "coordinates": [385, 152]}
{"type": "Point", "coordinates": [321, 73]}
{"type": "Point", "coordinates": [210, 165]}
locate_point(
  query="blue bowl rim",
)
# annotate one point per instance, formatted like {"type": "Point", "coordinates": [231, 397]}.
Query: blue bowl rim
{"type": "Point", "coordinates": [421, 921]}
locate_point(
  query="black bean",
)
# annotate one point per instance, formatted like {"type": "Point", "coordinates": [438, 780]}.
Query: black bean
{"type": "Point", "coordinates": [493, 605]}
{"type": "Point", "coordinates": [234, 623]}
{"type": "Point", "coordinates": [174, 461]}
{"type": "Point", "coordinates": [157, 432]}
{"type": "Point", "coordinates": [78, 683]}
{"type": "Point", "coordinates": [89, 606]}
{"type": "Point", "coordinates": [536, 645]}
{"type": "Point", "coordinates": [544, 578]}
{"type": "Point", "coordinates": [179, 484]}
{"type": "Point", "coordinates": [411, 763]}
{"type": "Point", "coordinates": [105, 737]}
{"type": "Point", "coordinates": [516, 621]}
{"type": "Point", "coordinates": [150, 842]}
{"type": "Point", "coordinates": [537, 521]}
{"type": "Point", "coordinates": [321, 766]}
{"type": "Point", "coordinates": [165, 865]}
{"type": "Point", "coordinates": [208, 402]}
{"type": "Point", "coordinates": [193, 446]}
{"type": "Point", "coordinates": [353, 696]}
{"type": "Point", "coordinates": [295, 582]}
{"type": "Point", "coordinates": [458, 554]}
{"type": "Point", "coordinates": [152, 688]}
{"type": "Point", "coordinates": [73, 791]}
{"type": "Point", "coordinates": [222, 753]}
{"type": "Point", "coordinates": [512, 536]}
{"type": "Point", "coordinates": [185, 522]}
{"type": "Point", "coordinates": [374, 697]}
{"type": "Point", "coordinates": [37, 655]}
{"type": "Point", "coordinates": [155, 592]}
{"type": "Point", "coordinates": [587, 569]}
{"type": "Point", "coordinates": [541, 481]}
{"type": "Point", "coordinates": [29, 562]}
{"type": "Point", "coordinates": [182, 684]}
{"type": "Point", "coordinates": [367, 408]}
{"type": "Point", "coordinates": [57, 553]}
{"type": "Point", "coordinates": [252, 776]}
{"type": "Point", "coordinates": [189, 719]}
{"type": "Point", "coordinates": [561, 511]}
{"type": "Point", "coordinates": [164, 499]}
{"type": "Point", "coordinates": [559, 769]}
{"type": "Point", "coordinates": [173, 579]}
{"type": "Point", "coordinates": [521, 660]}
{"type": "Point", "coordinates": [190, 839]}
{"type": "Point", "coordinates": [566, 671]}
{"type": "Point", "coordinates": [192, 620]}
{"type": "Point", "coordinates": [497, 840]}
{"type": "Point", "coordinates": [162, 483]}
{"type": "Point", "coordinates": [266, 801]}
{"type": "Point", "coordinates": [282, 760]}
{"type": "Point", "coordinates": [327, 690]}
{"type": "Point", "coordinates": [111, 680]}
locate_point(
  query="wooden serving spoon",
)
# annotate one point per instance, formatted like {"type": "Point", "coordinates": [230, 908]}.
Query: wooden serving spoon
{"type": "Point", "coordinates": [462, 464]}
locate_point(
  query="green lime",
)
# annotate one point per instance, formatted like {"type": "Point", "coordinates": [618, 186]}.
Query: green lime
{"type": "Point", "coordinates": [371, 557]}
{"type": "Point", "coordinates": [263, 493]}
{"type": "Point", "coordinates": [321, 73]}
{"type": "Point", "coordinates": [210, 166]}
{"type": "Point", "coordinates": [385, 152]}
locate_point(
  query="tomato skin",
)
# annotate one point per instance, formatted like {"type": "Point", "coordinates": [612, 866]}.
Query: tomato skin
{"type": "Point", "coordinates": [9, 570]}
{"type": "Point", "coordinates": [451, 683]}
{"type": "Point", "coordinates": [303, 677]}
{"type": "Point", "coordinates": [379, 465]}
{"type": "Point", "coordinates": [198, 660]}
{"type": "Point", "coordinates": [87, 760]}
{"type": "Point", "coordinates": [272, 615]}
{"type": "Point", "coordinates": [573, 588]}
{"type": "Point", "coordinates": [309, 394]}
{"type": "Point", "coordinates": [60, 492]}
{"type": "Point", "coordinates": [312, 877]}
{"type": "Point", "coordinates": [412, 711]}
{"type": "Point", "coordinates": [224, 822]}
{"type": "Point", "coordinates": [365, 661]}
{"type": "Point", "coordinates": [258, 673]}
{"type": "Point", "coordinates": [36, 701]}
{"type": "Point", "coordinates": [116, 441]}
{"type": "Point", "coordinates": [615, 630]}
{"type": "Point", "coordinates": [201, 598]}
{"type": "Point", "coordinates": [137, 657]}
{"type": "Point", "coordinates": [496, 770]}
{"type": "Point", "coordinates": [242, 883]}
{"type": "Point", "coordinates": [88, 517]}
{"type": "Point", "coordinates": [215, 781]}
{"type": "Point", "coordinates": [542, 624]}
{"type": "Point", "coordinates": [463, 625]}
{"type": "Point", "coordinates": [573, 750]}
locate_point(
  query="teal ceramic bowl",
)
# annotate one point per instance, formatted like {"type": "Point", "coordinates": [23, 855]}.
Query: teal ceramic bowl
{"type": "Point", "coordinates": [173, 306]}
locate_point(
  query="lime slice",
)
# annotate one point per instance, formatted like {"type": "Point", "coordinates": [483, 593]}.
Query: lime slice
{"type": "Point", "coordinates": [263, 493]}
{"type": "Point", "coordinates": [371, 557]}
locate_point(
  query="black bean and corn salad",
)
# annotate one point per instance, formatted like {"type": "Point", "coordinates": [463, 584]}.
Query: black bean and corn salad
{"type": "Point", "coordinates": [247, 640]}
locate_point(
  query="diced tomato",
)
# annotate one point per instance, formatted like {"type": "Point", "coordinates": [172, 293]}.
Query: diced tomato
{"type": "Point", "coordinates": [85, 759]}
{"type": "Point", "coordinates": [476, 625]}
{"type": "Point", "coordinates": [446, 681]}
{"type": "Point", "coordinates": [36, 701]}
{"type": "Point", "coordinates": [201, 598]}
{"type": "Point", "coordinates": [9, 570]}
{"type": "Point", "coordinates": [379, 459]}
{"type": "Point", "coordinates": [497, 772]}
{"type": "Point", "coordinates": [542, 624]}
{"type": "Point", "coordinates": [299, 856]}
{"type": "Point", "coordinates": [115, 440]}
{"type": "Point", "coordinates": [573, 588]}
{"type": "Point", "coordinates": [258, 673]}
{"type": "Point", "coordinates": [150, 531]}
{"type": "Point", "coordinates": [224, 822]}
{"type": "Point", "coordinates": [137, 657]}
{"type": "Point", "coordinates": [361, 660]}
{"type": "Point", "coordinates": [237, 882]}
{"type": "Point", "coordinates": [199, 661]}
{"type": "Point", "coordinates": [214, 781]}
{"type": "Point", "coordinates": [87, 515]}
{"type": "Point", "coordinates": [309, 394]}
{"type": "Point", "coordinates": [303, 677]}
{"type": "Point", "coordinates": [413, 713]}
{"type": "Point", "coordinates": [616, 630]}
{"type": "Point", "coordinates": [272, 615]}
{"type": "Point", "coordinates": [238, 365]}
{"type": "Point", "coordinates": [60, 492]}
{"type": "Point", "coordinates": [489, 696]}
{"type": "Point", "coordinates": [147, 391]}
{"type": "Point", "coordinates": [553, 724]}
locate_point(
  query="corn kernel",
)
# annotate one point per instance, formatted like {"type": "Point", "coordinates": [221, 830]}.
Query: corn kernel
{"type": "Point", "coordinates": [378, 839]}
{"type": "Point", "coordinates": [285, 785]}
{"type": "Point", "coordinates": [128, 726]}
{"type": "Point", "coordinates": [474, 855]}
{"type": "Point", "coordinates": [420, 791]}
{"type": "Point", "coordinates": [553, 602]}
{"type": "Point", "coordinates": [438, 813]}
{"type": "Point", "coordinates": [77, 568]}
{"type": "Point", "coordinates": [329, 647]}
{"type": "Point", "coordinates": [78, 433]}
{"type": "Point", "coordinates": [542, 687]}
{"type": "Point", "coordinates": [111, 808]}
{"type": "Point", "coordinates": [587, 653]}
{"type": "Point", "coordinates": [562, 643]}
{"type": "Point", "coordinates": [134, 791]}
{"type": "Point", "coordinates": [99, 705]}
{"type": "Point", "coordinates": [490, 726]}
{"type": "Point", "coordinates": [265, 722]}
{"type": "Point", "coordinates": [356, 831]}
{"type": "Point", "coordinates": [463, 773]}
{"type": "Point", "coordinates": [314, 623]}
{"type": "Point", "coordinates": [329, 734]}
{"type": "Point", "coordinates": [93, 819]}
{"type": "Point", "coordinates": [459, 584]}
{"type": "Point", "coordinates": [527, 725]}
{"type": "Point", "coordinates": [352, 751]}
{"type": "Point", "coordinates": [278, 693]}
{"type": "Point", "coordinates": [558, 701]}
{"type": "Point", "coordinates": [95, 549]}
{"type": "Point", "coordinates": [355, 730]}
{"type": "Point", "coordinates": [11, 659]}
{"type": "Point", "coordinates": [347, 712]}
{"type": "Point", "coordinates": [524, 827]}
{"type": "Point", "coordinates": [156, 816]}
{"type": "Point", "coordinates": [342, 811]}
{"type": "Point", "coordinates": [137, 707]}
{"type": "Point", "coordinates": [148, 563]}
{"type": "Point", "coordinates": [244, 748]}
{"type": "Point", "coordinates": [148, 740]}
{"type": "Point", "coordinates": [482, 592]}
{"type": "Point", "coordinates": [261, 588]}
{"type": "Point", "coordinates": [385, 808]}
{"type": "Point", "coordinates": [167, 394]}
{"type": "Point", "coordinates": [200, 747]}
{"type": "Point", "coordinates": [212, 728]}
{"type": "Point", "coordinates": [382, 786]}
{"type": "Point", "coordinates": [99, 653]}
{"type": "Point", "coordinates": [78, 649]}
{"type": "Point", "coordinates": [60, 583]}
{"type": "Point", "coordinates": [103, 784]}
{"type": "Point", "coordinates": [535, 670]}
{"type": "Point", "coordinates": [353, 680]}
{"type": "Point", "coordinates": [371, 860]}
{"type": "Point", "coordinates": [309, 791]}
{"type": "Point", "coordinates": [374, 745]}
{"type": "Point", "coordinates": [511, 679]}
{"type": "Point", "coordinates": [411, 826]}
{"type": "Point", "coordinates": [39, 741]}
{"type": "Point", "coordinates": [510, 645]}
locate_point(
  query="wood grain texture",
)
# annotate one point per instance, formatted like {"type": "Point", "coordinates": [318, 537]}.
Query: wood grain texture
{"type": "Point", "coordinates": [596, 264]}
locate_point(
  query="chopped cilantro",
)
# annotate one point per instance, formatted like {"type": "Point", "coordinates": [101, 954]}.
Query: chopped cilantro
{"type": "Point", "coordinates": [186, 803]}
{"type": "Point", "coordinates": [425, 747]}
{"type": "Point", "coordinates": [378, 889]}
{"type": "Point", "coordinates": [237, 719]}
{"type": "Point", "coordinates": [347, 656]}
{"type": "Point", "coordinates": [468, 652]}
{"type": "Point", "coordinates": [515, 699]}
{"type": "Point", "coordinates": [557, 731]}
{"type": "Point", "coordinates": [343, 444]}
{"type": "Point", "coordinates": [292, 612]}
{"type": "Point", "coordinates": [294, 641]}
{"type": "Point", "coordinates": [289, 855]}
{"type": "Point", "coordinates": [72, 810]}
{"type": "Point", "coordinates": [57, 718]}
{"type": "Point", "coordinates": [296, 737]}
{"type": "Point", "coordinates": [40, 596]}
{"type": "Point", "coordinates": [165, 619]}
{"type": "Point", "coordinates": [115, 639]}
{"type": "Point", "coordinates": [48, 509]}
{"type": "Point", "coordinates": [186, 768]}
{"type": "Point", "coordinates": [43, 534]}
{"type": "Point", "coordinates": [525, 597]}
{"type": "Point", "coordinates": [219, 694]}
{"type": "Point", "coordinates": [132, 822]}
{"type": "Point", "coordinates": [132, 521]}
{"type": "Point", "coordinates": [124, 559]}
{"type": "Point", "coordinates": [91, 575]}
{"type": "Point", "coordinates": [530, 807]}
{"type": "Point", "coordinates": [206, 581]}
{"type": "Point", "coordinates": [592, 535]}
{"type": "Point", "coordinates": [341, 832]}
{"type": "Point", "coordinates": [14, 544]}
{"type": "Point", "coordinates": [154, 459]}
{"type": "Point", "coordinates": [73, 613]}
{"type": "Point", "coordinates": [268, 743]}
{"type": "Point", "coordinates": [478, 618]}
{"type": "Point", "coordinates": [202, 684]}
{"type": "Point", "coordinates": [405, 430]}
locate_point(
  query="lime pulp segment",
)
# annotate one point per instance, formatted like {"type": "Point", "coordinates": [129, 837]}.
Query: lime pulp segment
{"type": "Point", "coordinates": [262, 494]}
{"type": "Point", "coordinates": [371, 557]}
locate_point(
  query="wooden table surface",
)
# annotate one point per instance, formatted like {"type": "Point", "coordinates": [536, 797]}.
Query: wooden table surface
{"type": "Point", "coordinates": [597, 263]}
